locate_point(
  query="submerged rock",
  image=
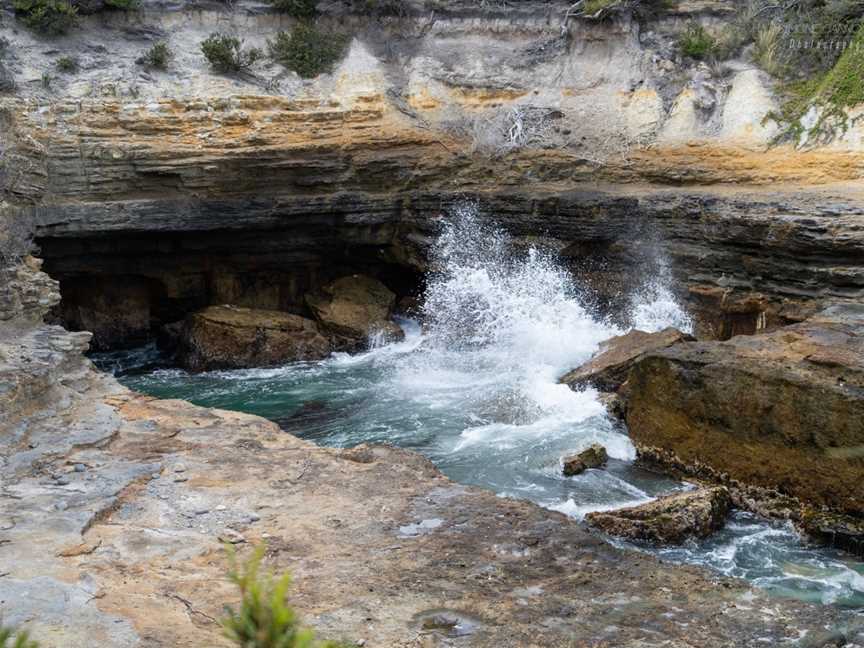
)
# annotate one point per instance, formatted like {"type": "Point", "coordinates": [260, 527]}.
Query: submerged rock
{"type": "Point", "coordinates": [608, 368]}
{"type": "Point", "coordinates": [782, 411]}
{"type": "Point", "coordinates": [228, 337]}
{"type": "Point", "coordinates": [593, 457]}
{"type": "Point", "coordinates": [668, 520]}
{"type": "Point", "coordinates": [354, 309]}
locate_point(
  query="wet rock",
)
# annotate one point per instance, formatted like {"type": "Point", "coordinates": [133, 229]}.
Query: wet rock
{"type": "Point", "coordinates": [593, 457]}
{"type": "Point", "coordinates": [668, 520]}
{"type": "Point", "coordinates": [840, 531]}
{"type": "Point", "coordinates": [354, 309]}
{"type": "Point", "coordinates": [229, 337]}
{"type": "Point", "coordinates": [608, 368]}
{"type": "Point", "coordinates": [781, 411]}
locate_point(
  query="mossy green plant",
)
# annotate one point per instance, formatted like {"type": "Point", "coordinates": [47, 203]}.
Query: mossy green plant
{"type": "Point", "coordinates": [263, 618]}
{"type": "Point", "coordinates": [9, 638]}
{"type": "Point", "coordinates": [158, 56]}
{"type": "Point", "coordinates": [227, 54]}
{"type": "Point", "coordinates": [696, 42]}
{"type": "Point", "coordinates": [67, 64]}
{"type": "Point", "coordinates": [123, 5]}
{"type": "Point", "coordinates": [831, 95]}
{"type": "Point", "coordinates": [307, 50]}
{"type": "Point", "coordinates": [49, 17]}
{"type": "Point", "coordinates": [297, 8]}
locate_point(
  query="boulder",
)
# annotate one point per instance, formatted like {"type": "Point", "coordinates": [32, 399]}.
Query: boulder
{"type": "Point", "coordinates": [782, 411]}
{"type": "Point", "coordinates": [229, 337]}
{"type": "Point", "coordinates": [354, 309]}
{"type": "Point", "coordinates": [593, 457]}
{"type": "Point", "coordinates": [608, 368]}
{"type": "Point", "coordinates": [668, 520]}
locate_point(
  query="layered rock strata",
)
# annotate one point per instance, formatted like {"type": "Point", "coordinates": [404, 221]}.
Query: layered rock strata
{"type": "Point", "coordinates": [782, 411]}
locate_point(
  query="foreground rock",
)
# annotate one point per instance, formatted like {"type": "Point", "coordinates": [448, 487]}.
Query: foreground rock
{"type": "Point", "coordinates": [782, 411]}
{"type": "Point", "coordinates": [668, 520]}
{"type": "Point", "coordinates": [113, 506]}
{"type": "Point", "coordinates": [354, 309]}
{"type": "Point", "coordinates": [592, 457]}
{"type": "Point", "coordinates": [608, 368]}
{"type": "Point", "coordinates": [228, 337]}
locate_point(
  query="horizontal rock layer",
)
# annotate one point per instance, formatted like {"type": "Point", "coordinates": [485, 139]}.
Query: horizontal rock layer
{"type": "Point", "coordinates": [740, 261]}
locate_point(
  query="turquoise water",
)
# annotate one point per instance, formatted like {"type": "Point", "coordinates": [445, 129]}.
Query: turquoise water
{"type": "Point", "coordinates": [476, 391]}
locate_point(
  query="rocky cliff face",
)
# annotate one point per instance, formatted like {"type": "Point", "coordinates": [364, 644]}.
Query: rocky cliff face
{"type": "Point", "coordinates": [173, 190]}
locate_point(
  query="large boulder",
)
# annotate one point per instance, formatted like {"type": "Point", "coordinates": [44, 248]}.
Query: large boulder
{"type": "Point", "coordinates": [668, 520]}
{"type": "Point", "coordinates": [782, 411]}
{"type": "Point", "coordinates": [607, 369]}
{"type": "Point", "coordinates": [355, 309]}
{"type": "Point", "coordinates": [229, 337]}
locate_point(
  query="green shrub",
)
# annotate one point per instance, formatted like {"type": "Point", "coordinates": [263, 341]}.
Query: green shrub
{"type": "Point", "coordinates": [296, 8]}
{"type": "Point", "coordinates": [591, 7]}
{"type": "Point", "coordinates": [696, 43]}
{"type": "Point", "coordinates": [226, 54]}
{"type": "Point", "coordinates": [766, 52]}
{"type": "Point", "coordinates": [67, 64]}
{"type": "Point", "coordinates": [10, 639]}
{"type": "Point", "coordinates": [51, 17]}
{"type": "Point", "coordinates": [307, 51]}
{"type": "Point", "coordinates": [832, 93]}
{"type": "Point", "coordinates": [377, 8]}
{"type": "Point", "coordinates": [158, 56]}
{"type": "Point", "coordinates": [264, 620]}
{"type": "Point", "coordinates": [125, 5]}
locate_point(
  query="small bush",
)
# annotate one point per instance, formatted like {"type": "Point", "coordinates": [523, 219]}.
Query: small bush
{"type": "Point", "coordinates": [10, 639]}
{"type": "Point", "coordinates": [766, 51]}
{"type": "Point", "coordinates": [124, 5]}
{"type": "Point", "coordinates": [696, 43]}
{"type": "Point", "coordinates": [379, 8]}
{"type": "Point", "coordinates": [226, 54]}
{"type": "Point", "coordinates": [307, 51]}
{"type": "Point", "coordinates": [51, 17]}
{"type": "Point", "coordinates": [158, 56]}
{"type": "Point", "coordinates": [264, 620]}
{"type": "Point", "coordinates": [67, 65]}
{"type": "Point", "coordinates": [296, 8]}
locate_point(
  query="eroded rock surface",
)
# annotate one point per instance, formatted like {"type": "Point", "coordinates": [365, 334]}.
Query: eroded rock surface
{"type": "Point", "coordinates": [668, 520]}
{"type": "Point", "coordinates": [355, 309]}
{"type": "Point", "coordinates": [229, 337]}
{"type": "Point", "coordinates": [607, 370]}
{"type": "Point", "coordinates": [113, 506]}
{"type": "Point", "coordinates": [594, 456]}
{"type": "Point", "coordinates": [783, 411]}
